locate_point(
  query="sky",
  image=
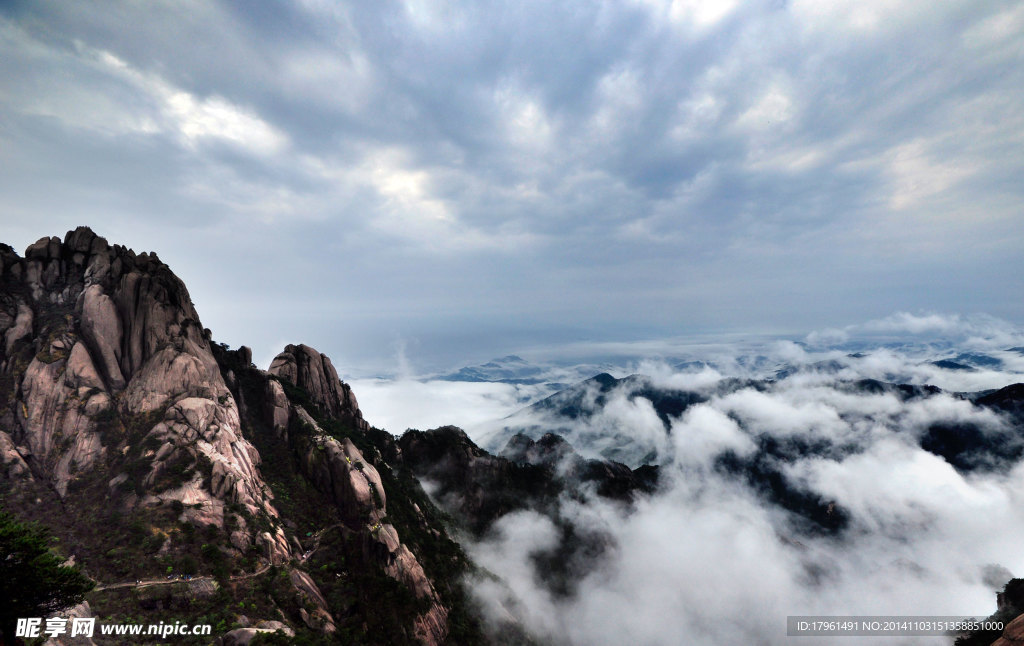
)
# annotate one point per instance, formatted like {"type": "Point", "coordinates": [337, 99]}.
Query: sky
{"type": "Point", "coordinates": [419, 185]}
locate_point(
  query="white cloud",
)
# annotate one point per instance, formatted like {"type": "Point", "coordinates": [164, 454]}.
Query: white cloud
{"type": "Point", "coordinates": [864, 17]}
{"type": "Point", "coordinates": [433, 16]}
{"type": "Point", "coordinates": [703, 432]}
{"type": "Point", "coordinates": [695, 116]}
{"type": "Point", "coordinates": [922, 537]}
{"type": "Point", "coordinates": [972, 332]}
{"type": "Point", "coordinates": [109, 95]}
{"type": "Point", "coordinates": [403, 201]}
{"type": "Point", "coordinates": [771, 111]}
{"type": "Point", "coordinates": [915, 323]}
{"type": "Point", "coordinates": [526, 123]}
{"type": "Point", "coordinates": [767, 412]}
{"type": "Point", "coordinates": [998, 30]}
{"type": "Point", "coordinates": [663, 375]}
{"type": "Point", "coordinates": [620, 94]}
{"type": "Point", "coordinates": [158, 105]}
{"type": "Point", "coordinates": [917, 176]}
{"type": "Point", "coordinates": [513, 540]}
{"type": "Point", "coordinates": [399, 405]}
{"type": "Point", "coordinates": [700, 14]}
{"type": "Point", "coordinates": [194, 118]}
{"type": "Point", "coordinates": [827, 337]}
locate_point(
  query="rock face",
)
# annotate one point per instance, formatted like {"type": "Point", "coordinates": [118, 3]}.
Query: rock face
{"type": "Point", "coordinates": [1013, 634]}
{"type": "Point", "coordinates": [93, 330]}
{"type": "Point", "coordinates": [82, 610]}
{"type": "Point", "coordinates": [611, 479]}
{"type": "Point", "coordinates": [116, 408]}
{"type": "Point", "coordinates": [106, 372]}
{"type": "Point", "coordinates": [339, 469]}
{"type": "Point", "coordinates": [342, 472]}
{"type": "Point", "coordinates": [313, 372]}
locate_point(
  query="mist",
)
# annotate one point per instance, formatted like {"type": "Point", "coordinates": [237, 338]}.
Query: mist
{"type": "Point", "coordinates": [712, 558]}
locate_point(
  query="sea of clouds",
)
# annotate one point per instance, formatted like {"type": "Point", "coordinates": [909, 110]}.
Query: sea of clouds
{"type": "Point", "coordinates": [708, 559]}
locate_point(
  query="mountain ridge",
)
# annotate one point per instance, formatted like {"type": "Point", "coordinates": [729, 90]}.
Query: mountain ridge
{"type": "Point", "coordinates": [123, 417]}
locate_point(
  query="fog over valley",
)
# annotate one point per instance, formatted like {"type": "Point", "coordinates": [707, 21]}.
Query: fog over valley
{"type": "Point", "coordinates": [852, 472]}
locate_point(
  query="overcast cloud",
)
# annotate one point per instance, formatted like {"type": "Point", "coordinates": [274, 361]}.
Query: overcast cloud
{"type": "Point", "coordinates": [467, 178]}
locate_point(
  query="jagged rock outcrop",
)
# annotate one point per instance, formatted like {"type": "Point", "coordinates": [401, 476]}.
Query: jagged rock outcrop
{"type": "Point", "coordinates": [611, 479]}
{"type": "Point", "coordinates": [340, 470]}
{"type": "Point", "coordinates": [1009, 400]}
{"type": "Point", "coordinates": [116, 406]}
{"type": "Point", "coordinates": [91, 328]}
{"type": "Point", "coordinates": [314, 373]}
{"type": "Point", "coordinates": [474, 485]}
{"type": "Point", "coordinates": [105, 369]}
{"type": "Point", "coordinates": [550, 450]}
{"type": "Point", "coordinates": [478, 487]}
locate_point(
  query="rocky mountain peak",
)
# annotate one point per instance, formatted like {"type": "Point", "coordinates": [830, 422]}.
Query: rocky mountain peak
{"type": "Point", "coordinates": [125, 426]}
{"type": "Point", "coordinates": [313, 372]}
{"type": "Point", "coordinates": [98, 339]}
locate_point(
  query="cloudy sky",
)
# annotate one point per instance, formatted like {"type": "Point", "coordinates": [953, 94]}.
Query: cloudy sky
{"type": "Point", "coordinates": [441, 182]}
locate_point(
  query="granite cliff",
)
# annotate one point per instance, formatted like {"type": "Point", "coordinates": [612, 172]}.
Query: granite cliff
{"type": "Point", "coordinates": [154, 452]}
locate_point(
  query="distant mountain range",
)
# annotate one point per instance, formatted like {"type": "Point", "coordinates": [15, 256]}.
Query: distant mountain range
{"type": "Point", "coordinates": [510, 370]}
{"type": "Point", "coordinates": [571, 411]}
{"type": "Point", "coordinates": [513, 369]}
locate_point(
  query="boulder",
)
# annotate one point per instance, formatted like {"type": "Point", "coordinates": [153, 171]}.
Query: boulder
{"type": "Point", "coordinates": [239, 637]}
{"type": "Point", "coordinates": [320, 618]}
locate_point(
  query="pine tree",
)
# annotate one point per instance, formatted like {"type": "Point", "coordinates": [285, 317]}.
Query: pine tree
{"type": "Point", "coordinates": [33, 580]}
